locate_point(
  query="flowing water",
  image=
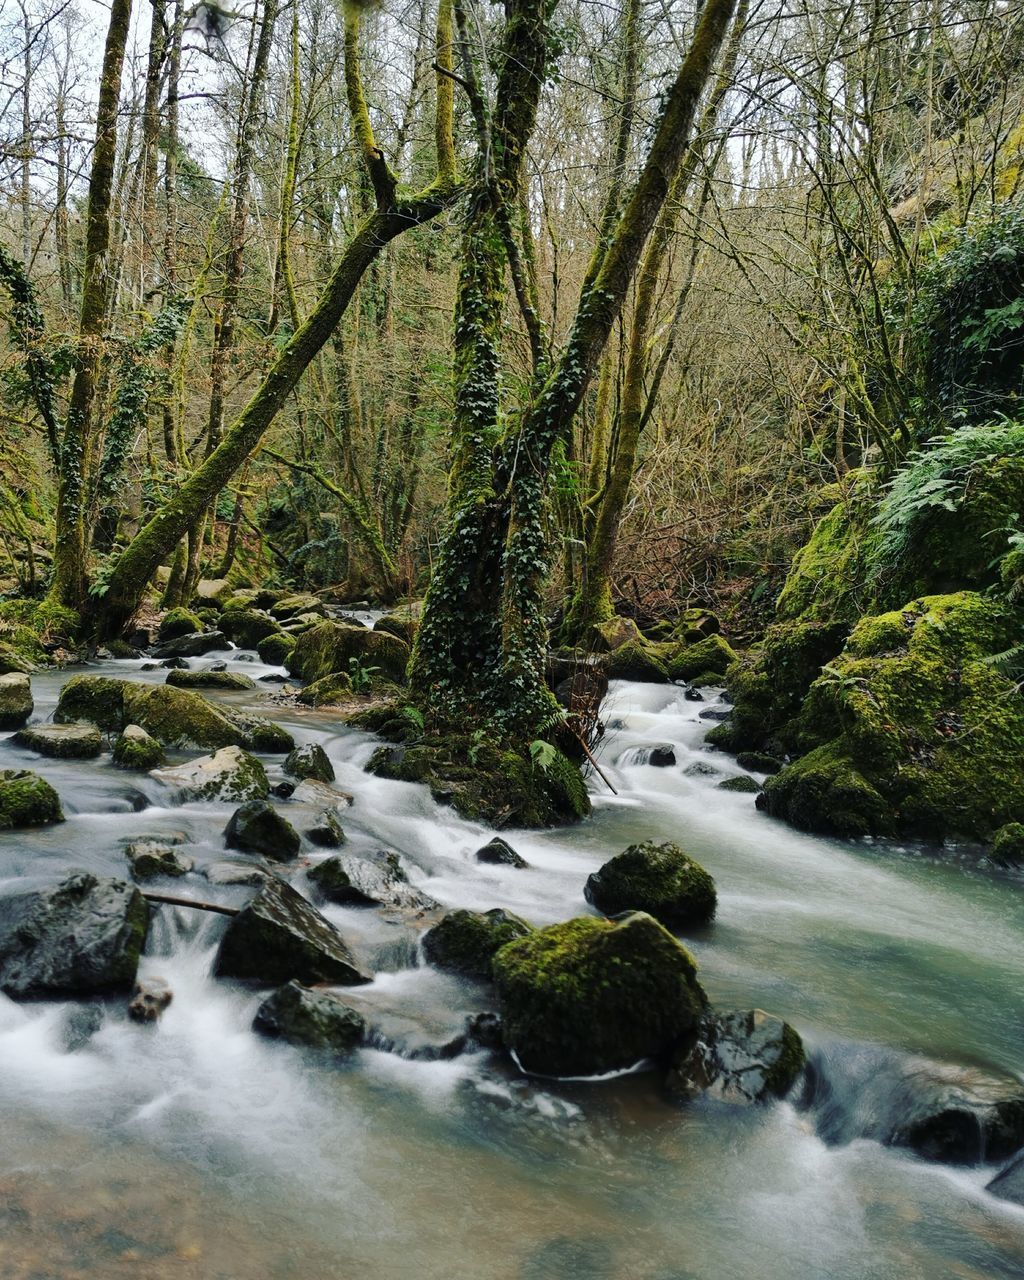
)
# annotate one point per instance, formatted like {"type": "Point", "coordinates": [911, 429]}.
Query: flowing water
{"type": "Point", "coordinates": [193, 1148]}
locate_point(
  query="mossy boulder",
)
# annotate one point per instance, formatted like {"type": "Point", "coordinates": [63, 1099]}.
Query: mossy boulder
{"type": "Point", "coordinates": [34, 630]}
{"type": "Point", "coordinates": [637, 660]}
{"type": "Point", "coordinates": [309, 761]}
{"type": "Point", "coordinates": [257, 827]}
{"type": "Point", "coordinates": [179, 622]}
{"type": "Point", "coordinates": [590, 996]}
{"type": "Point", "coordinates": [328, 691]}
{"type": "Point", "coordinates": [466, 942]}
{"type": "Point", "coordinates": [12, 659]}
{"type": "Point", "coordinates": [228, 774]}
{"type": "Point", "coordinates": [274, 649]}
{"type": "Point", "coordinates": [291, 606]}
{"type": "Point", "coordinates": [919, 733]}
{"type": "Point", "coordinates": [316, 1019]}
{"type": "Point", "coordinates": [26, 800]}
{"type": "Point", "coordinates": [741, 785]}
{"type": "Point", "coordinates": [606, 637]}
{"type": "Point", "coordinates": [660, 879]}
{"type": "Point", "coordinates": [1008, 845]}
{"type": "Point", "coordinates": [229, 680]}
{"type": "Point", "coordinates": [329, 648]}
{"type": "Point", "coordinates": [710, 657]}
{"type": "Point", "coordinates": [828, 580]}
{"type": "Point", "coordinates": [175, 717]}
{"type": "Point", "coordinates": [247, 627]}
{"type": "Point", "coordinates": [486, 782]}
{"type": "Point", "coordinates": [136, 749]}
{"type": "Point", "coordinates": [403, 621]}
{"type": "Point", "coordinates": [151, 859]}
{"type": "Point", "coordinates": [16, 704]}
{"type": "Point", "coordinates": [75, 741]}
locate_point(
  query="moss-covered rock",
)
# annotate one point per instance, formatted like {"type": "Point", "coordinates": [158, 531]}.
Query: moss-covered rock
{"type": "Point", "coordinates": [758, 762]}
{"type": "Point", "coordinates": [26, 800]}
{"type": "Point", "coordinates": [316, 1019]}
{"type": "Point", "coordinates": [328, 691]}
{"type": "Point", "coordinates": [76, 741]}
{"type": "Point", "coordinates": [487, 782]}
{"type": "Point", "coordinates": [291, 606]}
{"type": "Point", "coordinates": [330, 647]}
{"type": "Point", "coordinates": [606, 637]}
{"type": "Point", "coordinates": [16, 704]}
{"type": "Point", "coordinates": [309, 761]}
{"type": "Point", "coordinates": [35, 630]}
{"type": "Point", "coordinates": [228, 774]}
{"type": "Point", "coordinates": [150, 859]}
{"type": "Point", "coordinates": [637, 660]}
{"type": "Point", "coordinates": [12, 659]}
{"type": "Point", "coordinates": [175, 717]}
{"type": "Point", "coordinates": [403, 621]}
{"type": "Point", "coordinates": [712, 656]}
{"type": "Point", "coordinates": [247, 627]}
{"type": "Point", "coordinates": [136, 749]}
{"type": "Point", "coordinates": [1008, 845]}
{"type": "Point", "coordinates": [466, 942]}
{"type": "Point", "coordinates": [742, 785]}
{"type": "Point", "coordinates": [590, 996]}
{"type": "Point", "coordinates": [230, 680]}
{"type": "Point", "coordinates": [274, 649]}
{"type": "Point", "coordinates": [660, 879]}
{"type": "Point", "coordinates": [257, 827]}
{"type": "Point", "coordinates": [913, 714]}
{"type": "Point", "coordinates": [179, 622]}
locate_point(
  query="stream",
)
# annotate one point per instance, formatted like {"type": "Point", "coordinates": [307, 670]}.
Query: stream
{"type": "Point", "coordinates": [195, 1148]}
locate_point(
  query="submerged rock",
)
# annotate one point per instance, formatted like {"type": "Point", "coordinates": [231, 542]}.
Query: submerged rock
{"type": "Point", "coordinates": [62, 741]}
{"type": "Point", "coordinates": [1009, 1185]}
{"type": "Point", "coordinates": [151, 858]}
{"type": "Point", "coordinates": [316, 1018]}
{"type": "Point", "coordinates": [660, 879]}
{"type": "Point", "coordinates": [739, 1057]}
{"type": "Point", "coordinates": [309, 761]}
{"type": "Point", "coordinates": [590, 996]}
{"type": "Point", "coordinates": [16, 704]}
{"type": "Point", "coordinates": [235, 873]}
{"type": "Point", "coordinates": [26, 800]}
{"type": "Point", "coordinates": [80, 1025]}
{"type": "Point", "coordinates": [499, 852]}
{"type": "Point", "coordinates": [149, 1000]}
{"type": "Point", "coordinates": [210, 680]}
{"type": "Point", "coordinates": [228, 774]}
{"type": "Point", "coordinates": [743, 784]}
{"type": "Point", "coordinates": [280, 936]}
{"type": "Point", "coordinates": [257, 827]}
{"type": "Point", "coordinates": [78, 937]}
{"type": "Point", "coordinates": [136, 749]}
{"type": "Point", "coordinates": [466, 942]}
{"type": "Point", "coordinates": [354, 881]}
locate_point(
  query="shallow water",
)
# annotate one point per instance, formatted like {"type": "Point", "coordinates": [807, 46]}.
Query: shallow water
{"type": "Point", "coordinates": [194, 1148]}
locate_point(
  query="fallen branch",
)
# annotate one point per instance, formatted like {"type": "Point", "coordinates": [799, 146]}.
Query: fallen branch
{"type": "Point", "coordinates": [166, 900]}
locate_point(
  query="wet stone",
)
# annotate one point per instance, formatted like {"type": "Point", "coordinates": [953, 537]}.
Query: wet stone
{"type": "Point", "coordinates": [499, 852]}
{"type": "Point", "coordinates": [257, 827]}
{"type": "Point", "coordinates": [152, 858]}
{"type": "Point", "coordinates": [149, 999]}
{"type": "Point", "coordinates": [314, 1018]}
{"type": "Point", "coordinates": [77, 741]}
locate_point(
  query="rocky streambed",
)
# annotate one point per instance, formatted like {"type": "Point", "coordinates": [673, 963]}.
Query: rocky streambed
{"type": "Point", "coordinates": [311, 1078]}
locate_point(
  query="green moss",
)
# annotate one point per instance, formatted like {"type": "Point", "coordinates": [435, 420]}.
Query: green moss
{"type": "Point", "coordinates": [590, 996]}
{"type": "Point", "coordinates": [742, 785]}
{"type": "Point", "coordinates": [661, 879]}
{"type": "Point", "coordinates": [824, 792]}
{"type": "Point", "coordinates": [637, 660]}
{"type": "Point", "coordinates": [14, 660]}
{"type": "Point", "coordinates": [826, 581]}
{"type": "Point", "coordinates": [26, 800]}
{"type": "Point", "coordinates": [486, 782]}
{"type": "Point", "coordinates": [327, 691]}
{"type": "Point", "coordinates": [99, 699]}
{"type": "Point", "coordinates": [179, 622]}
{"type": "Point", "coordinates": [246, 627]}
{"type": "Point", "coordinates": [789, 1064]}
{"type": "Point", "coordinates": [209, 680]}
{"type": "Point", "coordinates": [403, 621]}
{"type": "Point", "coordinates": [1008, 845]}
{"type": "Point", "coordinates": [135, 749]}
{"type": "Point", "coordinates": [328, 649]}
{"type": "Point", "coordinates": [466, 942]}
{"type": "Point", "coordinates": [711, 656]}
{"type": "Point", "coordinates": [274, 649]}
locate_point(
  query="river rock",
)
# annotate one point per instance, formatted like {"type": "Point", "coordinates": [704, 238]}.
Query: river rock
{"type": "Point", "coordinates": [243, 873]}
{"type": "Point", "coordinates": [292, 606]}
{"type": "Point", "coordinates": [738, 1057]}
{"type": "Point", "coordinates": [329, 648]}
{"type": "Point", "coordinates": [742, 784]}
{"type": "Point", "coordinates": [175, 717]}
{"type": "Point", "coordinates": [228, 774]}
{"type": "Point", "coordinates": [16, 704]}
{"type": "Point", "coordinates": [211, 679]}
{"type": "Point", "coordinates": [26, 800]}
{"type": "Point", "coordinates": [328, 691]}
{"type": "Point", "coordinates": [326, 831]}
{"type": "Point", "coordinates": [466, 942]}
{"type": "Point", "coordinates": [660, 879]}
{"type": "Point", "coordinates": [943, 1111]}
{"type": "Point", "coordinates": [136, 749]}
{"type": "Point", "coordinates": [177, 623]}
{"type": "Point", "coordinates": [316, 1018]}
{"type": "Point", "coordinates": [78, 937]}
{"type": "Point", "coordinates": [662, 756]}
{"type": "Point", "coordinates": [12, 660]}
{"type": "Point", "coordinates": [309, 761]}
{"type": "Point", "coordinates": [151, 858]}
{"type": "Point", "coordinates": [274, 650]}
{"type": "Point", "coordinates": [590, 996]}
{"type": "Point", "coordinates": [247, 627]}
{"type": "Point", "coordinates": [211, 591]}
{"type": "Point", "coordinates": [81, 1022]}
{"type": "Point", "coordinates": [323, 796]}
{"type": "Point", "coordinates": [279, 936]}
{"type": "Point", "coordinates": [499, 852]}
{"type": "Point", "coordinates": [77, 741]}
{"type": "Point", "coordinates": [1009, 1185]}
{"type": "Point", "coordinates": [361, 882]}
{"type": "Point", "coordinates": [193, 645]}
{"type": "Point", "coordinates": [257, 827]}
{"type": "Point", "coordinates": [149, 1000]}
